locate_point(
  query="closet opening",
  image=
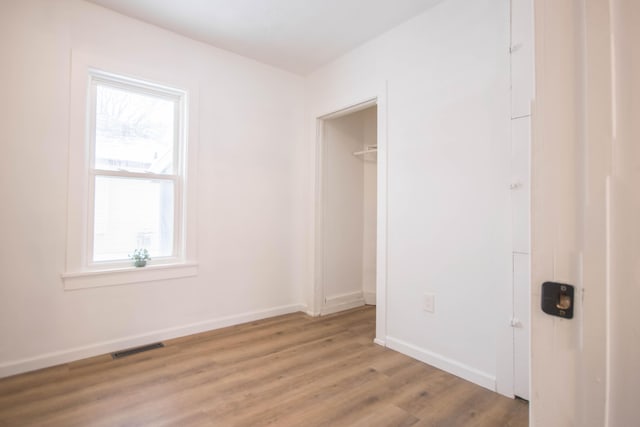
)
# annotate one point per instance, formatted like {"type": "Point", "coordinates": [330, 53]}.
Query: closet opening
{"type": "Point", "coordinates": [347, 213]}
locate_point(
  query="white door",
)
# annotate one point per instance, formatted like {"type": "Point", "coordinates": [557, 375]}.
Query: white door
{"type": "Point", "coordinates": [521, 324]}
{"type": "Point", "coordinates": [521, 218]}
{"type": "Point", "coordinates": [522, 70]}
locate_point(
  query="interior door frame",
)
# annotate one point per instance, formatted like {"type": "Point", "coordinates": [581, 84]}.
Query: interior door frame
{"type": "Point", "coordinates": [317, 297]}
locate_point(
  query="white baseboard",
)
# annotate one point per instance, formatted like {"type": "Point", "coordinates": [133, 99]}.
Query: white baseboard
{"type": "Point", "coordinates": [336, 303]}
{"type": "Point", "coordinates": [69, 355]}
{"type": "Point", "coordinates": [369, 297]}
{"type": "Point", "coordinates": [379, 342]}
{"type": "Point", "coordinates": [449, 365]}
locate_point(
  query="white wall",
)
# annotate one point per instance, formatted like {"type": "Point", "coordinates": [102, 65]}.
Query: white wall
{"type": "Point", "coordinates": [446, 114]}
{"type": "Point", "coordinates": [343, 211]}
{"type": "Point", "coordinates": [250, 125]}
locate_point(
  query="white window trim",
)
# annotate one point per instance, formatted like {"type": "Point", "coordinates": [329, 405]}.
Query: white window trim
{"type": "Point", "coordinates": [80, 272]}
{"type": "Point", "coordinates": [97, 77]}
{"type": "Point", "coordinates": [128, 275]}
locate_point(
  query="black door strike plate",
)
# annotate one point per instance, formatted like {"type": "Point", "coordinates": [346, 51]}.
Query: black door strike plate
{"type": "Point", "coordinates": [557, 299]}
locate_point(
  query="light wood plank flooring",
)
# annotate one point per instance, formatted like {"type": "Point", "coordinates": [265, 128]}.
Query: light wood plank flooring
{"type": "Point", "coordinates": [290, 370]}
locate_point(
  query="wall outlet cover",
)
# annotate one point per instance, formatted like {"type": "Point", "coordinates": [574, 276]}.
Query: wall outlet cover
{"type": "Point", "coordinates": [429, 302]}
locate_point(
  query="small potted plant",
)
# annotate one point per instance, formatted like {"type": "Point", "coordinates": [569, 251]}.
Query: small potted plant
{"type": "Point", "coordinates": [140, 257]}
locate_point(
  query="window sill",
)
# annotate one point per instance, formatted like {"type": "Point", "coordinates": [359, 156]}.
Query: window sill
{"type": "Point", "coordinates": [127, 275]}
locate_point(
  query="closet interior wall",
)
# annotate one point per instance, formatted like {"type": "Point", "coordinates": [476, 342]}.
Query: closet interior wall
{"type": "Point", "coordinates": [349, 211]}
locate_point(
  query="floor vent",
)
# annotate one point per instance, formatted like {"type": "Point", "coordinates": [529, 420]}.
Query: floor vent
{"type": "Point", "coordinates": [129, 352]}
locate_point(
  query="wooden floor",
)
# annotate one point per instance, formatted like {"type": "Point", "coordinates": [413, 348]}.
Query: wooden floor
{"type": "Point", "coordinates": [290, 370]}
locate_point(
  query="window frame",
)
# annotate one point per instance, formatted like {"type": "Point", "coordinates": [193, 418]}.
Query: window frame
{"type": "Point", "coordinates": [178, 97]}
{"type": "Point", "coordinates": [80, 271]}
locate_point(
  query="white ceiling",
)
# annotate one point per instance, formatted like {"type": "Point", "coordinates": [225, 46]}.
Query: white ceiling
{"type": "Point", "coordinates": [296, 35]}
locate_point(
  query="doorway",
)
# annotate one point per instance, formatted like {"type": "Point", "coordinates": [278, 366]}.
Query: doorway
{"type": "Point", "coordinates": [347, 198]}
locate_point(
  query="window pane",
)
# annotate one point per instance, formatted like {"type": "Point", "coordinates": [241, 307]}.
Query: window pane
{"type": "Point", "coordinates": [132, 213]}
{"type": "Point", "coordinates": [134, 131]}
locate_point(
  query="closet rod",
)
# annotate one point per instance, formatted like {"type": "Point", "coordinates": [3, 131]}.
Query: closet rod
{"type": "Point", "coordinates": [369, 149]}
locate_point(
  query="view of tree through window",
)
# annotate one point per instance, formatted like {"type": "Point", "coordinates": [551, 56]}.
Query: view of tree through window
{"type": "Point", "coordinates": [135, 142]}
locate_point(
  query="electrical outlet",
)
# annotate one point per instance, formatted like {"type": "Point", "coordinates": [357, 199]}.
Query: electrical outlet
{"type": "Point", "coordinates": [429, 302]}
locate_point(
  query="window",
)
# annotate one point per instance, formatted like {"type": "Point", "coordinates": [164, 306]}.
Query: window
{"type": "Point", "coordinates": [128, 173]}
{"type": "Point", "coordinates": [135, 169]}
